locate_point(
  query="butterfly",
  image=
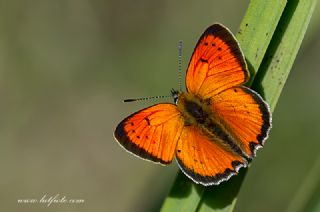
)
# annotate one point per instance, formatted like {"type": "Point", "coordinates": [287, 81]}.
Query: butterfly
{"type": "Point", "coordinates": [215, 127]}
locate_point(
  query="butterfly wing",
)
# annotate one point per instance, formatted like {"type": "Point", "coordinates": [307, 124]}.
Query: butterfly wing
{"type": "Point", "coordinates": [151, 133]}
{"type": "Point", "coordinates": [246, 116]}
{"type": "Point", "coordinates": [216, 71]}
{"type": "Point", "coordinates": [217, 63]}
{"type": "Point", "coordinates": [206, 160]}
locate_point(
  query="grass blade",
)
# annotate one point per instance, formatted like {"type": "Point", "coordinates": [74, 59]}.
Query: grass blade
{"type": "Point", "coordinates": [283, 51]}
{"type": "Point", "coordinates": [183, 195]}
{"type": "Point", "coordinates": [260, 24]}
{"type": "Point", "coordinates": [256, 30]}
{"type": "Point", "coordinates": [307, 197]}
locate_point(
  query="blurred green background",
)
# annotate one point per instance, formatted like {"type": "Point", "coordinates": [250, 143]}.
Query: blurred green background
{"type": "Point", "coordinates": [66, 66]}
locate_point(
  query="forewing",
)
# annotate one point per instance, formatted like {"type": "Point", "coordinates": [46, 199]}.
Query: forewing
{"type": "Point", "coordinates": [217, 63]}
{"type": "Point", "coordinates": [245, 115]}
{"type": "Point", "coordinates": [151, 133]}
{"type": "Point", "coordinates": [206, 160]}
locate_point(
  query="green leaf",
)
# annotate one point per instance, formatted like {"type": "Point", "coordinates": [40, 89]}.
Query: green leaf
{"type": "Point", "coordinates": [270, 36]}
{"type": "Point", "coordinates": [183, 195]}
{"type": "Point", "coordinates": [256, 30]}
{"type": "Point", "coordinates": [307, 197]}
{"type": "Point", "coordinates": [283, 50]}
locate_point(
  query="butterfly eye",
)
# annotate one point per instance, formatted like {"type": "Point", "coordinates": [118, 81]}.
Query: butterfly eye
{"type": "Point", "coordinates": [175, 95]}
{"type": "Point", "coordinates": [175, 99]}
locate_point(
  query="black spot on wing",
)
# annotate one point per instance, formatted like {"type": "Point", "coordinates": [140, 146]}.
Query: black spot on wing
{"type": "Point", "coordinates": [203, 60]}
{"type": "Point", "coordinates": [147, 120]}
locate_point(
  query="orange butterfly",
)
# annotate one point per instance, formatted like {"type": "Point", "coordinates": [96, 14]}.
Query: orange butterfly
{"type": "Point", "coordinates": [215, 127]}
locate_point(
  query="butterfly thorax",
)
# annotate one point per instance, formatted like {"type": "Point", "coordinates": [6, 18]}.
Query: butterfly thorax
{"type": "Point", "coordinates": [194, 110]}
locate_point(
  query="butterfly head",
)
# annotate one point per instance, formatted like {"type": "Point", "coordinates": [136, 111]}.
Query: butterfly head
{"type": "Point", "coordinates": [175, 94]}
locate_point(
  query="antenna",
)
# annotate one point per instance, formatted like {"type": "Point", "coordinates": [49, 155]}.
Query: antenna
{"type": "Point", "coordinates": [180, 64]}
{"type": "Point", "coordinates": [146, 98]}
{"type": "Point", "coordinates": [173, 92]}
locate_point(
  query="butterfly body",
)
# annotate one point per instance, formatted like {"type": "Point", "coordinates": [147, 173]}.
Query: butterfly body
{"type": "Point", "coordinates": [197, 113]}
{"type": "Point", "coordinates": [194, 110]}
{"type": "Point", "coordinates": [215, 127]}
